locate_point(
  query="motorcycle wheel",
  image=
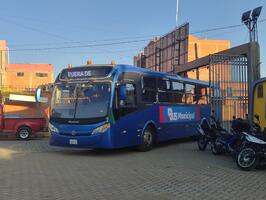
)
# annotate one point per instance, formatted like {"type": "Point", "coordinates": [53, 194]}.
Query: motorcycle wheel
{"type": "Point", "coordinates": [246, 159]}
{"type": "Point", "coordinates": [217, 150]}
{"type": "Point", "coordinates": [202, 143]}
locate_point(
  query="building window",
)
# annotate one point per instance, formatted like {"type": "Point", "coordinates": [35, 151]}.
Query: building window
{"type": "Point", "coordinates": [42, 74]}
{"type": "Point", "coordinates": [20, 74]}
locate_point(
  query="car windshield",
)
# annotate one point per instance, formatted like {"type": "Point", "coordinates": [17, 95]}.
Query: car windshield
{"type": "Point", "coordinates": [81, 101]}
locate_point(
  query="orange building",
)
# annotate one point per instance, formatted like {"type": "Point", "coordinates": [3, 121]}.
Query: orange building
{"type": "Point", "coordinates": [164, 53]}
{"type": "Point", "coordinates": [28, 76]}
{"type": "Point", "coordinates": [199, 47]}
{"type": "Point", "coordinates": [23, 78]}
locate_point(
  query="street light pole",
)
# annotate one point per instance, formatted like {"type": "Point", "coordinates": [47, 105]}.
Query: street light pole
{"type": "Point", "coordinates": [250, 20]}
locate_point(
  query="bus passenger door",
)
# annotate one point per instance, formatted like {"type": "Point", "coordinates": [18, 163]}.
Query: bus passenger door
{"type": "Point", "coordinates": [126, 122]}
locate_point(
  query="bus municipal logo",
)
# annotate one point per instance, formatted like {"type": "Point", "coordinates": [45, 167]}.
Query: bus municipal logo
{"type": "Point", "coordinates": [178, 114]}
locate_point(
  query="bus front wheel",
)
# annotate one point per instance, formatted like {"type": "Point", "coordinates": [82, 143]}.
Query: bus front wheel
{"type": "Point", "coordinates": [148, 137]}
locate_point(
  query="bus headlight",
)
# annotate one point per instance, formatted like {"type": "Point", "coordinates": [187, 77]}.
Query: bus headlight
{"type": "Point", "coordinates": [52, 128]}
{"type": "Point", "coordinates": [101, 129]}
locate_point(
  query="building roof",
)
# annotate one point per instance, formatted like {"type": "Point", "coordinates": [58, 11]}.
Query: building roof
{"type": "Point", "coordinates": [30, 67]}
{"type": "Point", "coordinates": [198, 39]}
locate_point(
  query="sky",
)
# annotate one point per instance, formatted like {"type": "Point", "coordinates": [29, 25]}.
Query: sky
{"type": "Point", "coordinates": [64, 32]}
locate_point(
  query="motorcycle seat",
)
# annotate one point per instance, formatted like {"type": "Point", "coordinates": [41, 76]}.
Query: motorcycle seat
{"type": "Point", "coordinates": [226, 135]}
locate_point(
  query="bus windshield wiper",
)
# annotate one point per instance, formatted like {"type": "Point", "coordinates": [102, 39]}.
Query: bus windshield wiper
{"type": "Point", "coordinates": [76, 101]}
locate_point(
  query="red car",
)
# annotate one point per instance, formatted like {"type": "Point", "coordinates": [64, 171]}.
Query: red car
{"type": "Point", "coordinates": [22, 128]}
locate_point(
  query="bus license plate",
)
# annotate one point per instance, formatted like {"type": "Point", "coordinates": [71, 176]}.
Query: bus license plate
{"type": "Point", "coordinates": [73, 141]}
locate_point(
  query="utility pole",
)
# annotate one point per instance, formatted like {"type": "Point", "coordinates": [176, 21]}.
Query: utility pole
{"type": "Point", "coordinates": [177, 9]}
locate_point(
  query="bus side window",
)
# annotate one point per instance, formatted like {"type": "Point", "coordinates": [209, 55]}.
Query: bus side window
{"type": "Point", "coordinates": [260, 91]}
{"type": "Point", "coordinates": [201, 95]}
{"type": "Point", "coordinates": [149, 90]}
{"type": "Point", "coordinates": [190, 92]}
{"type": "Point", "coordinates": [164, 87]}
{"type": "Point", "coordinates": [178, 95]}
{"type": "Point", "coordinates": [149, 83]}
{"type": "Point", "coordinates": [128, 99]}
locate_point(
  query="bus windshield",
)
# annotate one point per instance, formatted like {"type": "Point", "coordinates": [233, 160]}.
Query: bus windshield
{"type": "Point", "coordinates": [81, 101]}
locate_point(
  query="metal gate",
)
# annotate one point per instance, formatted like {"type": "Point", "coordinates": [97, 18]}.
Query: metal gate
{"type": "Point", "coordinates": [229, 82]}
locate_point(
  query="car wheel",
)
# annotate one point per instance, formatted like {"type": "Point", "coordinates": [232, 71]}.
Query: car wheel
{"type": "Point", "coordinates": [148, 137]}
{"type": "Point", "coordinates": [24, 133]}
{"type": "Point", "coordinates": [246, 159]}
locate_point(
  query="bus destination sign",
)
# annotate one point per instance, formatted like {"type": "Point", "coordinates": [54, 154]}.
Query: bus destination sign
{"type": "Point", "coordinates": [81, 73]}
{"type": "Point", "coordinates": [78, 74]}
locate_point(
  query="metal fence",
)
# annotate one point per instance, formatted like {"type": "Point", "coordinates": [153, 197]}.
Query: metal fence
{"type": "Point", "coordinates": [229, 82]}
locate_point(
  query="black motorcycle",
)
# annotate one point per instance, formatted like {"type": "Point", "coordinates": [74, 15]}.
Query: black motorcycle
{"type": "Point", "coordinates": [253, 149]}
{"type": "Point", "coordinates": [207, 134]}
{"type": "Point", "coordinates": [214, 135]}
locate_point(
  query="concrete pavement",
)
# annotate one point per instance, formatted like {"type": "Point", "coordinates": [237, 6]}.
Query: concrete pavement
{"type": "Point", "coordinates": [176, 170]}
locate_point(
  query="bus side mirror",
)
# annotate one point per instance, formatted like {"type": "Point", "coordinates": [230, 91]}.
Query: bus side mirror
{"type": "Point", "coordinates": [38, 94]}
{"type": "Point", "coordinates": [122, 93]}
{"type": "Point", "coordinates": [257, 117]}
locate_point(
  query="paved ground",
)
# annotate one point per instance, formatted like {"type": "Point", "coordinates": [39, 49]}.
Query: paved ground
{"type": "Point", "coordinates": [176, 170]}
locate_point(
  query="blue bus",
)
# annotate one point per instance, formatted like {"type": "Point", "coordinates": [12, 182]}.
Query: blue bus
{"type": "Point", "coordinates": [116, 106]}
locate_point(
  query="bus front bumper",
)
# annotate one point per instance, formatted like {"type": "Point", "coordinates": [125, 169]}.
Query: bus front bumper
{"type": "Point", "coordinates": [91, 142]}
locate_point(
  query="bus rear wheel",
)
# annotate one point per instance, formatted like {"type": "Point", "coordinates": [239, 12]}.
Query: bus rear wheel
{"type": "Point", "coordinates": [148, 137]}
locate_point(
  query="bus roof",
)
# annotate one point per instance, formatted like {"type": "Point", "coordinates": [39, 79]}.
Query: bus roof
{"type": "Point", "coordinates": [75, 73]}
{"type": "Point", "coordinates": [128, 68]}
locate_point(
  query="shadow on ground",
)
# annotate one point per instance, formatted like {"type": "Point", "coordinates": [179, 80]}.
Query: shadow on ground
{"type": "Point", "coordinates": [114, 152]}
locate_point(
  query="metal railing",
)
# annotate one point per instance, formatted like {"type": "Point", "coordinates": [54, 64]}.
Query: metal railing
{"type": "Point", "coordinates": [229, 83]}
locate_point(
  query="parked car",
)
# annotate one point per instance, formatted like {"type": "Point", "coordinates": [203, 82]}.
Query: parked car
{"type": "Point", "coordinates": [18, 126]}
